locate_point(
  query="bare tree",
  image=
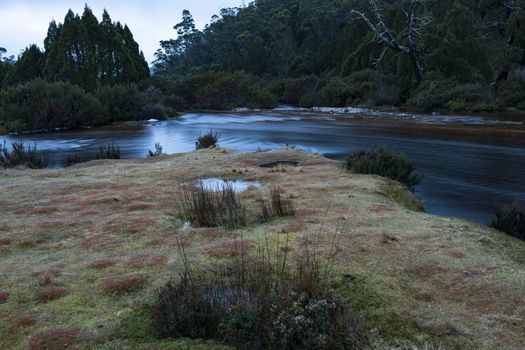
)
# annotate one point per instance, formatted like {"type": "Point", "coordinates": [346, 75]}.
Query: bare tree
{"type": "Point", "coordinates": [405, 42]}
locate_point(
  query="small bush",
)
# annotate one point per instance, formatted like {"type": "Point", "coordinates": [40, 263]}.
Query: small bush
{"type": "Point", "coordinates": [3, 297]}
{"type": "Point", "coordinates": [383, 162]}
{"type": "Point", "coordinates": [22, 155]}
{"type": "Point", "coordinates": [276, 205]}
{"type": "Point", "coordinates": [207, 141]}
{"type": "Point", "coordinates": [108, 152]}
{"type": "Point", "coordinates": [204, 208]}
{"type": "Point", "coordinates": [510, 220]}
{"type": "Point", "coordinates": [157, 152]}
{"type": "Point", "coordinates": [267, 300]}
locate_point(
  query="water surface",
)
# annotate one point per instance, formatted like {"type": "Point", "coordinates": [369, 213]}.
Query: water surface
{"type": "Point", "coordinates": [467, 170]}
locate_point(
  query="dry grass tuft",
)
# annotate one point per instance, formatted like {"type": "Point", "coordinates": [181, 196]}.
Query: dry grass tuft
{"type": "Point", "coordinates": [50, 294]}
{"type": "Point", "coordinates": [213, 233]}
{"type": "Point", "coordinates": [294, 227]}
{"type": "Point", "coordinates": [138, 261]}
{"type": "Point", "coordinates": [159, 261]}
{"type": "Point", "coordinates": [53, 224]}
{"type": "Point", "coordinates": [27, 320]}
{"type": "Point", "coordinates": [6, 241]}
{"type": "Point", "coordinates": [139, 206]}
{"type": "Point", "coordinates": [3, 297]}
{"type": "Point", "coordinates": [54, 339]}
{"type": "Point", "coordinates": [102, 263]}
{"type": "Point", "coordinates": [52, 272]}
{"type": "Point", "coordinates": [378, 208]}
{"type": "Point", "coordinates": [122, 284]}
{"type": "Point", "coordinates": [45, 210]}
{"type": "Point", "coordinates": [228, 249]}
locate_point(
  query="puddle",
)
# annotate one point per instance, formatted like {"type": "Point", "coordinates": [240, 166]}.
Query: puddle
{"type": "Point", "coordinates": [217, 185]}
{"type": "Point", "coordinates": [279, 162]}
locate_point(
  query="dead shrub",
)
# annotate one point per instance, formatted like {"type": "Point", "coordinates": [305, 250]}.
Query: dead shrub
{"type": "Point", "coordinates": [54, 339]}
{"type": "Point", "coordinates": [122, 284]}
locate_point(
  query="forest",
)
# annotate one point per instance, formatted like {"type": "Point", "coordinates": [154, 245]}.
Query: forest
{"type": "Point", "coordinates": [428, 55]}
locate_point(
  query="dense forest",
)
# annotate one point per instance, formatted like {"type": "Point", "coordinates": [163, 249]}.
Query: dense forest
{"type": "Point", "coordinates": [85, 76]}
{"type": "Point", "coordinates": [450, 55]}
{"type": "Point", "coordinates": [425, 54]}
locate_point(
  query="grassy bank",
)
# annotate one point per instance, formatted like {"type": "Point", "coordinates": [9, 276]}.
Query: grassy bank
{"type": "Point", "coordinates": [84, 249]}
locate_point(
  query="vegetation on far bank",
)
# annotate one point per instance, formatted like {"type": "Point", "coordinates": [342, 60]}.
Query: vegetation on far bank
{"type": "Point", "coordinates": [462, 56]}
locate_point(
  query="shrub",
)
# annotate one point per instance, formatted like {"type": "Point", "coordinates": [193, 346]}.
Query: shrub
{"type": "Point", "coordinates": [122, 102]}
{"type": "Point", "coordinates": [21, 155]}
{"type": "Point", "coordinates": [275, 205]}
{"type": "Point", "coordinates": [268, 300]}
{"type": "Point", "coordinates": [108, 152]}
{"type": "Point", "coordinates": [205, 208]}
{"type": "Point", "coordinates": [510, 220]}
{"type": "Point", "coordinates": [39, 105]}
{"type": "Point", "coordinates": [383, 162]}
{"type": "Point", "coordinates": [208, 140]}
{"type": "Point", "coordinates": [3, 297]}
{"type": "Point", "coordinates": [154, 111]}
{"type": "Point", "coordinates": [157, 152]}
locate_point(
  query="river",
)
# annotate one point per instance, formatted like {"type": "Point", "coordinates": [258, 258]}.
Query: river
{"type": "Point", "coordinates": [469, 165]}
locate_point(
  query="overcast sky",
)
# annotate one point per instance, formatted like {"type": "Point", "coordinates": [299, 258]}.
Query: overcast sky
{"type": "Point", "coordinates": [26, 21]}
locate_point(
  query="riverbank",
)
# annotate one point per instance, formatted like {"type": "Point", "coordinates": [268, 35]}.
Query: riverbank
{"type": "Point", "coordinates": [409, 277]}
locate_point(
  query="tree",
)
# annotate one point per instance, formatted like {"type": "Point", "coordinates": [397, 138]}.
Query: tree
{"type": "Point", "coordinates": [29, 66]}
{"type": "Point", "coordinates": [405, 41]}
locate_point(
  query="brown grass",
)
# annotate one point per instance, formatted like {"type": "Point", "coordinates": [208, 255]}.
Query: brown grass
{"type": "Point", "coordinates": [51, 272]}
{"type": "Point", "coordinates": [27, 320]}
{"type": "Point", "coordinates": [138, 261]}
{"type": "Point", "coordinates": [6, 241]}
{"type": "Point", "coordinates": [294, 227]}
{"type": "Point", "coordinates": [45, 210]}
{"type": "Point", "coordinates": [139, 206]}
{"type": "Point", "coordinates": [54, 339]}
{"type": "Point", "coordinates": [102, 263]}
{"type": "Point", "coordinates": [228, 249]}
{"type": "Point", "coordinates": [122, 284]}
{"type": "Point", "coordinates": [50, 294]}
{"type": "Point", "coordinates": [159, 261]}
{"type": "Point", "coordinates": [3, 297]}
{"type": "Point", "coordinates": [378, 208]}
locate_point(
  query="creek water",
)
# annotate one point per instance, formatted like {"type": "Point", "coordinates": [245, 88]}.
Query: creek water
{"type": "Point", "coordinates": [469, 165]}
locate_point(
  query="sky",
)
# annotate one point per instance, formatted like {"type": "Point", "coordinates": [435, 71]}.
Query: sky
{"type": "Point", "coordinates": [25, 22]}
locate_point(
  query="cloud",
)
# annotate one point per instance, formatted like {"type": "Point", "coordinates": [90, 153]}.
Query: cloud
{"type": "Point", "coordinates": [25, 22]}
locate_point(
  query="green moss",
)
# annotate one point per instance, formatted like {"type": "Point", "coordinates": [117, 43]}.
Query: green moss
{"type": "Point", "coordinates": [376, 302]}
{"type": "Point", "coordinates": [402, 196]}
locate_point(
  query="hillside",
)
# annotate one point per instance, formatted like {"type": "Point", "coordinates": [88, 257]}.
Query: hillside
{"type": "Point", "coordinates": [68, 235]}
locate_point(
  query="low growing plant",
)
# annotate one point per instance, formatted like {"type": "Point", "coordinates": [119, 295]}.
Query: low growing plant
{"type": "Point", "coordinates": [383, 162]}
{"type": "Point", "coordinates": [23, 155]}
{"type": "Point", "coordinates": [510, 220]}
{"type": "Point", "coordinates": [108, 152]}
{"type": "Point", "coordinates": [208, 140]}
{"type": "Point", "coordinates": [203, 207]}
{"type": "Point", "coordinates": [157, 152]}
{"type": "Point", "coordinates": [273, 298]}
